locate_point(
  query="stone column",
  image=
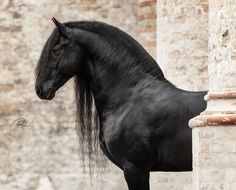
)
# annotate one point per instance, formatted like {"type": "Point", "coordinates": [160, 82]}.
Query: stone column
{"type": "Point", "coordinates": [182, 38]}
{"type": "Point", "coordinates": [214, 131]}
{"type": "Point", "coordinates": [147, 25]}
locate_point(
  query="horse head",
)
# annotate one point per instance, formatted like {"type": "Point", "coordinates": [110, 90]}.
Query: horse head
{"type": "Point", "coordinates": [60, 60]}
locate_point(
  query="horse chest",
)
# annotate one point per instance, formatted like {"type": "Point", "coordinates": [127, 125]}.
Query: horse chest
{"type": "Point", "coordinates": [125, 140]}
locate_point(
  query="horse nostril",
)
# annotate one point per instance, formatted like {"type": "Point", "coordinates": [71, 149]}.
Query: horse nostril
{"type": "Point", "coordinates": [38, 90]}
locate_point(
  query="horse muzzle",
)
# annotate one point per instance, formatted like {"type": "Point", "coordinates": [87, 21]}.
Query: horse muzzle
{"type": "Point", "coordinates": [45, 93]}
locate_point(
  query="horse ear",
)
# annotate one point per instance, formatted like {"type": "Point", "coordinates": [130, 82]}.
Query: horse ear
{"type": "Point", "coordinates": [60, 26]}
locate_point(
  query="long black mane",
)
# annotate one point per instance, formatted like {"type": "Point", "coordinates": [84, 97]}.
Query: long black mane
{"type": "Point", "coordinates": [88, 119]}
{"type": "Point", "coordinates": [87, 124]}
{"type": "Point", "coordinates": [119, 41]}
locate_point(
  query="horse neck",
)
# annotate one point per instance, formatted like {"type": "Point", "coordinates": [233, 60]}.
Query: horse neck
{"type": "Point", "coordinates": [115, 69]}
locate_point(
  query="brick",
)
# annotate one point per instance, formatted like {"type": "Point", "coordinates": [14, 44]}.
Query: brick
{"type": "Point", "coordinates": [147, 3]}
{"type": "Point", "coordinates": [7, 108]}
{"type": "Point", "coordinates": [149, 43]}
{"type": "Point", "coordinates": [205, 8]}
{"type": "Point", "coordinates": [141, 17]}
{"type": "Point", "coordinates": [6, 87]}
{"type": "Point", "coordinates": [150, 15]}
{"type": "Point", "coordinates": [147, 30]}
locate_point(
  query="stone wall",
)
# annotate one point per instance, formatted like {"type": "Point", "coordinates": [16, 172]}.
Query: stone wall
{"type": "Point", "coordinates": [214, 131]}
{"type": "Point", "coordinates": [182, 39]}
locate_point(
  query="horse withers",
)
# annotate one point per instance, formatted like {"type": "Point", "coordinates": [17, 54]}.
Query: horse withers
{"type": "Point", "coordinates": [140, 119]}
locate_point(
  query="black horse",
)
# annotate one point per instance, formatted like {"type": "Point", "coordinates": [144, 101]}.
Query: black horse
{"type": "Point", "coordinates": [140, 119]}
